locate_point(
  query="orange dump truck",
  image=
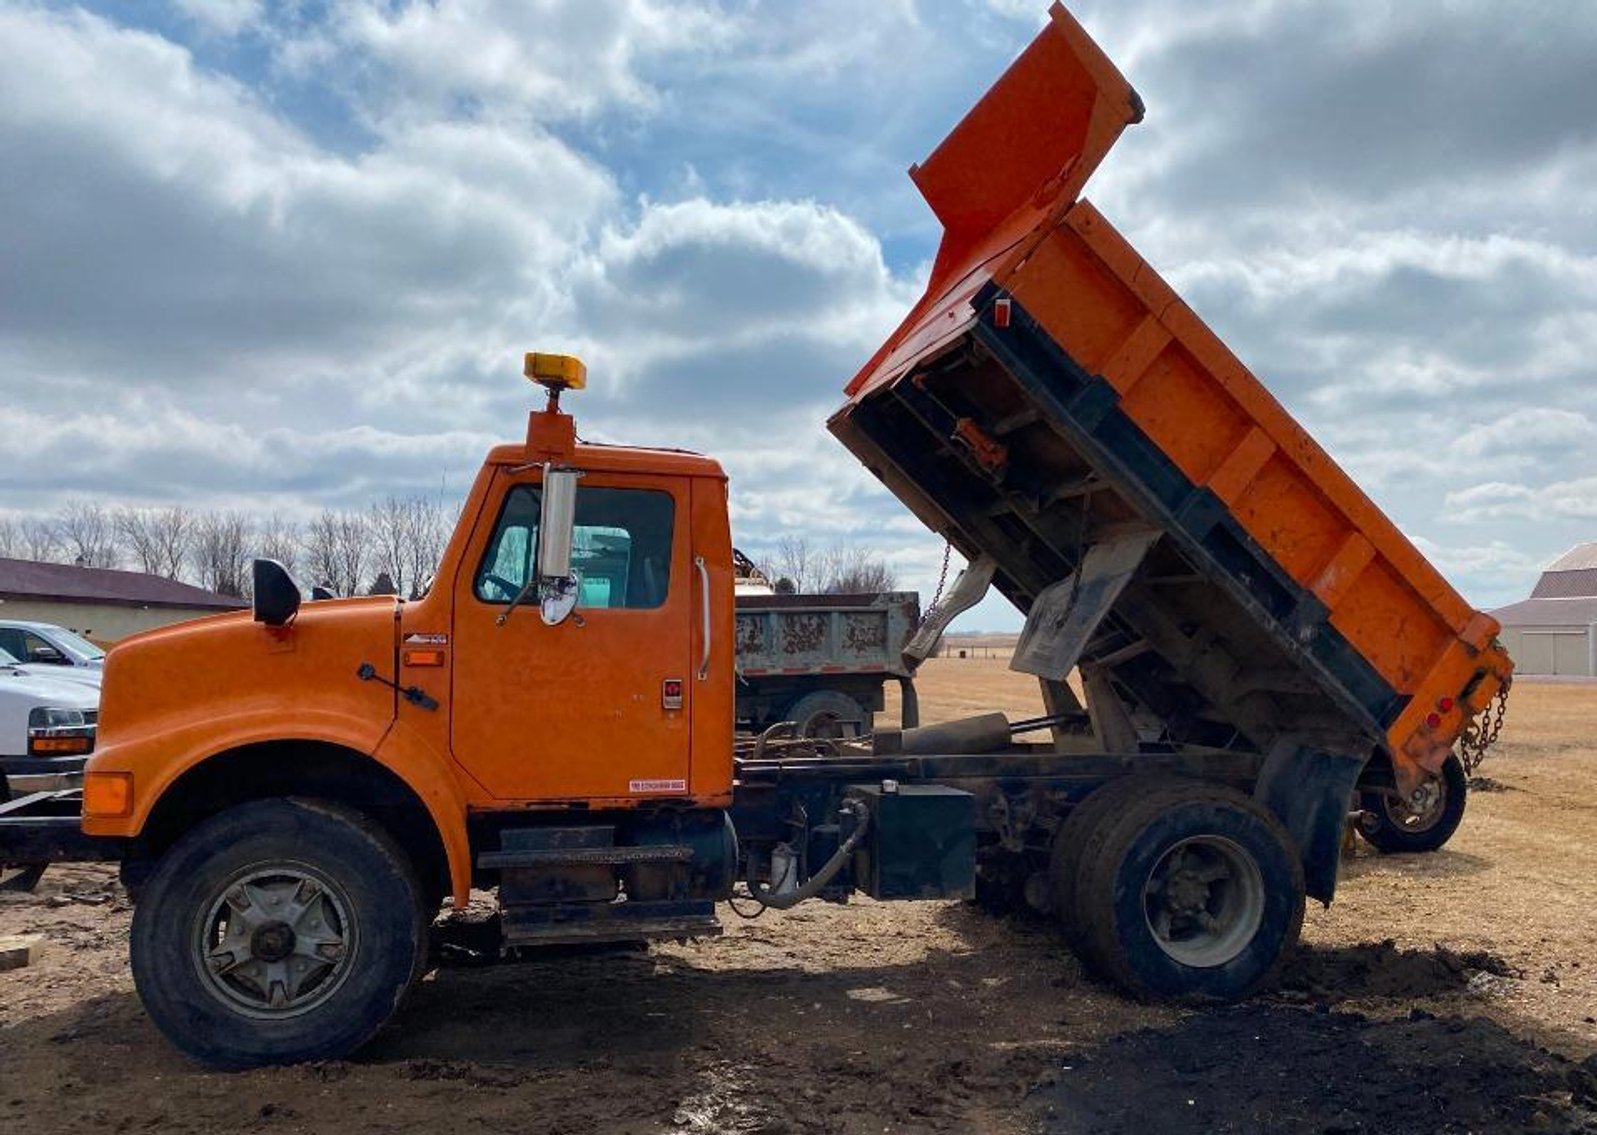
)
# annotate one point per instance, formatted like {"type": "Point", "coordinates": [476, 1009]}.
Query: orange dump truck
{"type": "Point", "coordinates": [292, 792]}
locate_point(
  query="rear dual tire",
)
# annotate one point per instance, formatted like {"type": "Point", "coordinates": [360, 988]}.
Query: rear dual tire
{"type": "Point", "coordinates": [1179, 890]}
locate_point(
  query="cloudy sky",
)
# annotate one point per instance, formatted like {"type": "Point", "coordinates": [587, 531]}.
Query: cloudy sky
{"type": "Point", "coordinates": [286, 255]}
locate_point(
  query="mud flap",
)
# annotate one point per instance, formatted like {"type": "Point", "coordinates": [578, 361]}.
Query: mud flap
{"type": "Point", "coordinates": [1065, 616]}
{"type": "Point", "coordinates": [1310, 790]}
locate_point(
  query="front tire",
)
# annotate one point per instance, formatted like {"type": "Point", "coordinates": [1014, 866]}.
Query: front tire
{"type": "Point", "coordinates": [1190, 892]}
{"type": "Point", "coordinates": [1392, 825]}
{"type": "Point", "coordinates": [278, 931]}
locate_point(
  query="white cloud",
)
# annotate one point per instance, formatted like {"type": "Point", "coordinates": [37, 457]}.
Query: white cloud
{"type": "Point", "coordinates": [1496, 573]}
{"type": "Point", "coordinates": [222, 17]}
{"type": "Point", "coordinates": [311, 276]}
{"type": "Point", "coordinates": [551, 59]}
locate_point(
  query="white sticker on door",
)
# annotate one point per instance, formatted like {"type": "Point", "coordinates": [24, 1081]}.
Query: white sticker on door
{"type": "Point", "coordinates": [659, 786]}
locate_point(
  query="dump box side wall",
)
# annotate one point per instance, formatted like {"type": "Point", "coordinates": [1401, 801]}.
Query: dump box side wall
{"type": "Point", "coordinates": [1113, 314]}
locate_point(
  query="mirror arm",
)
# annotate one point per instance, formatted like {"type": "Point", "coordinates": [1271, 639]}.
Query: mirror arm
{"type": "Point", "coordinates": [517, 601]}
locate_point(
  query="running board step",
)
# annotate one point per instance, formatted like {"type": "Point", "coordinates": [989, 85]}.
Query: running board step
{"type": "Point", "coordinates": [553, 924]}
{"type": "Point", "coordinates": [584, 856]}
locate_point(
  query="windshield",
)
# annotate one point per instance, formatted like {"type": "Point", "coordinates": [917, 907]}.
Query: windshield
{"type": "Point", "coordinates": [77, 644]}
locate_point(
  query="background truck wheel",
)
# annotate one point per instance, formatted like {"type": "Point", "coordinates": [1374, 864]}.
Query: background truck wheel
{"type": "Point", "coordinates": [1188, 891]}
{"type": "Point", "coordinates": [278, 931]}
{"type": "Point", "coordinates": [1391, 825]}
{"type": "Point", "coordinates": [829, 714]}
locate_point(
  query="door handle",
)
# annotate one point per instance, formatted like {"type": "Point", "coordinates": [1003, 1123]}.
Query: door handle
{"type": "Point", "coordinates": [704, 612]}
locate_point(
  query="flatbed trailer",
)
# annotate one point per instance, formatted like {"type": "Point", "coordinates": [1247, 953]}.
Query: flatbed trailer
{"type": "Point", "coordinates": [1254, 644]}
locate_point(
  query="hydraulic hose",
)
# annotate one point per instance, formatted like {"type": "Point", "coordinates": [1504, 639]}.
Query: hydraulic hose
{"type": "Point", "coordinates": [812, 886]}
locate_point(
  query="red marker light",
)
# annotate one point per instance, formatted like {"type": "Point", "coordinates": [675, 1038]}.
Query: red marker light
{"type": "Point", "coordinates": [1445, 705]}
{"type": "Point", "coordinates": [1433, 721]}
{"type": "Point", "coordinates": [1001, 313]}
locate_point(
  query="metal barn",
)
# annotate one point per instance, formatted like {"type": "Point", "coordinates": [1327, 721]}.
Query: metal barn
{"type": "Point", "coordinates": [1555, 630]}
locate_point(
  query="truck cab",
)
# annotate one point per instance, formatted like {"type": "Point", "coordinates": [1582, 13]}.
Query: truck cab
{"type": "Point", "coordinates": [477, 692]}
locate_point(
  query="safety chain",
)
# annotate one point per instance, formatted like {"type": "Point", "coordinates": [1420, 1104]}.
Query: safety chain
{"type": "Point", "coordinates": [942, 583]}
{"type": "Point", "coordinates": [1478, 738]}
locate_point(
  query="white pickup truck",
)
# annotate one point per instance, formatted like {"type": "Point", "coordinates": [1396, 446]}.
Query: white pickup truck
{"type": "Point", "coordinates": [47, 726]}
{"type": "Point", "coordinates": [38, 645]}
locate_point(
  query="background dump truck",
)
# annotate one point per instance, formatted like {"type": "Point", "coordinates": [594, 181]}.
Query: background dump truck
{"type": "Point", "coordinates": [1256, 644]}
{"type": "Point", "coordinates": [820, 661]}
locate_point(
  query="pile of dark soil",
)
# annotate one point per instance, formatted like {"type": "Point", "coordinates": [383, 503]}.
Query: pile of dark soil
{"type": "Point", "coordinates": [1288, 1071]}
{"type": "Point", "coordinates": [1376, 970]}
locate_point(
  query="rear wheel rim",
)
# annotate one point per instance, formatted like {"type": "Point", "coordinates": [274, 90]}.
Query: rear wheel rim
{"type": "Point", "coordinates": [1204, 901]}
{"type": "Point", "coordinates": [276, 940]}
{"type": "Point", "coordinates": [1420, 813]}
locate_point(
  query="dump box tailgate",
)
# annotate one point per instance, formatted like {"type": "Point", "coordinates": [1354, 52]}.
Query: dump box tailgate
{"type": "Point", "coordinates": [1051, 390]}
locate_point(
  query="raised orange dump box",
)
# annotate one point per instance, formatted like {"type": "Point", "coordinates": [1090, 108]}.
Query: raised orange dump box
{"type": "Point", "coordinates": [1051, 394]}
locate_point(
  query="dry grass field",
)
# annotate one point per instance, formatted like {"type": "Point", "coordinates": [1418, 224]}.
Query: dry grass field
{"type": "Point", "coordinates": [1450, 992]}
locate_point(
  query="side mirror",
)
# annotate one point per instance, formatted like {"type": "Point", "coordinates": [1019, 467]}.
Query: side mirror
{"type": "Point", "coordinates": [49, 655]}
{"type": "Point", "coordinates": [276, 599]}
{"type": "Point", "coordinates": [556, 522]}
{"type": "Point", "coordinates": [558, 588]}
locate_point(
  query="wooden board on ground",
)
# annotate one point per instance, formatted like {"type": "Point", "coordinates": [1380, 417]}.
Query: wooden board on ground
{"type": "Point", "coordinates": [20, 950]}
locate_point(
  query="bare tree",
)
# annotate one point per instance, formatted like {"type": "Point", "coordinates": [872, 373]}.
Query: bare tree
{"type": "Point", "coordinates": [278, 538]}
{"type": "Point", "coordinates": [10, 538]}
{"type": "Point", "coordinates": [337, 550]}
{"type": "Point", "coordinates": [427, 535]}
{"type": "Point", "coordinates": [354, 550]}
{"type": "Point", "coordinates": [857, 571]}
{"type": "Point", "coordinates": [38, 540]}
{"type": "Point", "coordinates": [321, 549]}
{"type": "Point", "coordinates": [388, 525]}
{"type": "Point", "coordinates": [158, 539]}
{"type": "Point", "coordinates": [406, 536]}
{"type": "Point", "coordinates": [795, 560]}
{"type": "Point", "coordinates": [221, 553]}
{"type": "Point", "coordinates": [87, 534]}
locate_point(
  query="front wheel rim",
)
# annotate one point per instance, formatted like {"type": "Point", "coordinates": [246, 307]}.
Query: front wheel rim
{"type": "Point", "coordinates": [276, 940]}
{"type": "Point", "coordinates": [1204, 901]}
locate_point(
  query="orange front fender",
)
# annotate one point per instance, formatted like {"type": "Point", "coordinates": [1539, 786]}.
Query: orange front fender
{"type": "Point", "coordinates": [158, 760]}
{"type": "Point", "coordinates": [432, 776]}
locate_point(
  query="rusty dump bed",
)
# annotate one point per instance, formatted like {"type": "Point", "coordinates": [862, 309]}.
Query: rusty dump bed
{"type": "Point", "coordinates": [1051, 394]}
{"type": "Point", "coordinates": [824, 634]}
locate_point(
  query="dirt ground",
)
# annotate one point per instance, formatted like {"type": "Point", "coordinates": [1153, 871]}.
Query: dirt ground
{"type": "Point", "coordinates": [1451, 992]}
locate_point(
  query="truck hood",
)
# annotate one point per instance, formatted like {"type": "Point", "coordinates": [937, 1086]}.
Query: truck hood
{"type": "Point", "coordinates": [85, 675]}
{"type": "Point", "coordinates": [24, 690]}
{"type": "Point", "coordinates": [213, 681]}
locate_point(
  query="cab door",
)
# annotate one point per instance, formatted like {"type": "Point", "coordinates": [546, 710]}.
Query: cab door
{"type": "Point", "coordinates": [598, 707]}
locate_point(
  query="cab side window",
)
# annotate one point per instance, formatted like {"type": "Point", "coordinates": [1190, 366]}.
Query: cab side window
{"type": "Point", "coordinates": [41, 651]}
{"type": "Point", "coordinates": [621, 548]}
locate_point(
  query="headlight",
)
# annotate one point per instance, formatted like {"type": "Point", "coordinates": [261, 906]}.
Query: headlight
{"type": "Point", "coordinates": [50, 717]}
{"type": "Point", "coordinates": [56, 732]}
